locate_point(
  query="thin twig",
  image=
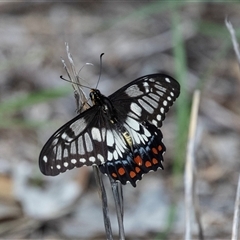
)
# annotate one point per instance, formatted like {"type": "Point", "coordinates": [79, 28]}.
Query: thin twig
{"type": "Point", "coordinates": [190, 198]}
{"type": "Point", "coordinates": [235, 227]}
{"type": "Point", "coordinates": [118, 198]}
{"type": "Point", "coordinates": [234, 39]}
{"type": "Point", "coordinates": [80, 96]}
{"type": "Point", "coordinates": [103, 196]}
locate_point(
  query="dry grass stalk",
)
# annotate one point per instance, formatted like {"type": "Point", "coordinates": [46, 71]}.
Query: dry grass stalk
{"type": "Point", "coordinates": [236, 216]}
{"type": "Point", "coordinates": [191, 200]}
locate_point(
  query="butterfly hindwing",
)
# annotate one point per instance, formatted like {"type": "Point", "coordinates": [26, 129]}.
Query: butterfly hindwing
{"type": "Point", "coordinates": [146, 156]}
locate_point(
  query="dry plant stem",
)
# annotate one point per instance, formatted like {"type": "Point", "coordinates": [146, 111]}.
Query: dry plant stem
{"type": "Point", "coordinates": [234, 39]}
{"type": "Point", "coordinates": [190, 199]}
{"type": "Point", "coordinates": [235, 227]}
{"type": "Point", "coordinates": [237, 202]}
{"type": "Point", "coordinates": [118, 198]}
{"type": "Point", "coordinates": [80, 96]}
{"type": "Point", "coordinates": [82, 105]}
{"type": "Point", "coordinates": [103, 196]}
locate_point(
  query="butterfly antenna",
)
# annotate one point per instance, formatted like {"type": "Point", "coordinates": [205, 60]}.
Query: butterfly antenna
{"type": "Point", "coordinates": [86, 64]}
{"type": "Point", "coordinates": [76, 83]}
{"type": "Point", "coordinates": [100, 69]}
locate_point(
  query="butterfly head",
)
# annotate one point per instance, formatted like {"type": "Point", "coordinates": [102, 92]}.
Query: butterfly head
{"type": "Point", "coordinates": [95, 96]}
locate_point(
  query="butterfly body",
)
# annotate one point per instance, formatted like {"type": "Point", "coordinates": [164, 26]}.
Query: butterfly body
{"type": "Point", "coordinates": [119, 133]}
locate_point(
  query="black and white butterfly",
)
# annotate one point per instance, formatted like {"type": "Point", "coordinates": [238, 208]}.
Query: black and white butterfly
{"type": "Point", "coordinates": [119, 133]}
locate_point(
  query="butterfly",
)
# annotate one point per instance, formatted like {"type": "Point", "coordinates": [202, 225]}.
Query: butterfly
{"type": "Point", "coordinates": [119, 133]}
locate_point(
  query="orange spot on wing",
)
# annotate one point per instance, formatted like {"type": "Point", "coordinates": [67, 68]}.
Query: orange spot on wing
{"type": "Point", "coordinates": [132, 174]}
{"type": "Point", "coordinates": [154, 161]}
{"type": "Point", "coordinates": [137, 169]}
{"type": "Point", "coordinates": [148, 164]}
{"type": "Point", "coordinates": [154, 150]}
{"type": "Point", "coordinates": [121, 171]}
{"type": "Point", "coordinates": [138, 160]}
{"type": "Point", "coordinates": [159, 148]}
{"type": "Point", "coordinates": [114, 175]}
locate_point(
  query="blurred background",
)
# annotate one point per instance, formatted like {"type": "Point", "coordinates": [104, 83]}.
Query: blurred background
{"type": "Point", "coordinates": [189, 41]}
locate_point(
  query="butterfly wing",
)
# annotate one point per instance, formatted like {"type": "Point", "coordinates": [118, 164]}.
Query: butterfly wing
{"type": "Point", "coordinates": [146, 155]}
{"type": "Point", "coordinates": [146, 98]}
{"type": "Point", "coordinates": [88, 139]}
{"type": "Point", "coordinates": [68, 146]}
{"type": "Point", "coordinates": [141, 107]}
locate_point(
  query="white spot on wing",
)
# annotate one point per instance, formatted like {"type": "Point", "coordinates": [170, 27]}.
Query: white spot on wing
{"type": "Point", "coordinates": [101, 158]}
{"type": "Point", "coordinates": [120, 143]}
{"type": "Point", "coordinates": [115, 155]}
{"type": "Point", "coordinates": [159, 117]}
{"type": "Point", "coordinates": [65, 137]}
{"type": "Point", "coordinates": [82, 160]}
{"type": "Point", "coordinates": [135, 137]}
{"type": "Point", "coordinates": [154, 122]}
{"type": "Point", "coordinates": [73, 161]}
{"type": "Point", "coordinates": [78, 126]}
{"type": "Point", "coordinates": [81, 149]}
{"type": "Point", "coordinates": [146, 132]}
{"type": "Point", "coordinates": [133, 91]}
{"type": "Point", "coordinates": [136, 109]}
{"type": "Point", "coordinates": [45, 159]}
{"type": "Point", "coordinates": [160, 93]}
{"type": "Point", "coordinates": [147, 107]}
{"type": "Point", "coordinates": [73, 149]}
{"type": "Point", "coordinates": [55, 141]}
{"type": "Point", "coordinates": [146, 85]}
{"type": "Point", "coordinates": [132, 123]}
{"type": "Point", "coordinates": [167, 80]}
{"type": "Point", "coordinates": [65, 164]}
{"type": "Point", "coordinates": [154, 96]}
{"type": "Point", "coordinates": [92, 159]}
{"type": "Point", "coordinates": [110, 156]}
{"type": "Point", "coordinates": [150, 101]}
{"type": "Point", "coordinates": [59, 153]}
{"type": "Point", "coordinates": [88, 142]}
{"type": "Point", "coordinates": [132, 115]}
{"type": "Point", "coordinates": [65, 153]}
{"type": "Point", "coordinates": [58, 166]}
{"type": "Point", "coordinates": [161, 88]}
{"type": "Point", "coordinates": [103, 133]}
{"type": "Point", "coordinates": [118, 150]}
{"type": "Point", "coordinates": [110, 140]}
{"type": "Point", "coordinates": [165, 103]}
{"type": "Point", "coordinates": [96, 134]}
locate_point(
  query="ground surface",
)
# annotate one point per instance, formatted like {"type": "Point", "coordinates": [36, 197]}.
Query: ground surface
{"type": "Point", "coordinates": [188, 41]}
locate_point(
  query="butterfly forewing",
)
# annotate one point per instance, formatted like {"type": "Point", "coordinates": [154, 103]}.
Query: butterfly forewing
{"type": "Point", "coordinates": [147, 98]}
{"type": "Point", "coordinates": [120, 133]}
{"type": "Point", "coordinates": [87, 139]}
{"type": "Point", "coordinates": [73, 144]}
